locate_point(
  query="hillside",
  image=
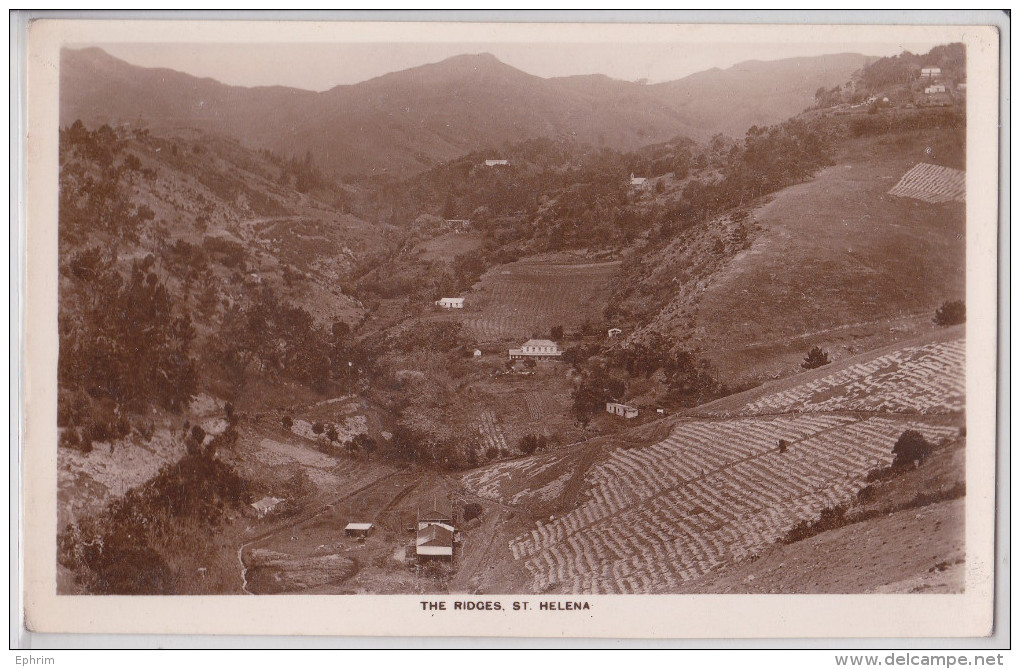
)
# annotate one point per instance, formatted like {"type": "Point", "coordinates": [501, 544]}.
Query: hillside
{"type": "Point", "coordinates": [755, 92]}
{"type": "Point", "coordinates": [407, 121]}
{"type": "Point", "coordinates": [836, 261]}
{"type": "Point", "coordinates": [698, 504]}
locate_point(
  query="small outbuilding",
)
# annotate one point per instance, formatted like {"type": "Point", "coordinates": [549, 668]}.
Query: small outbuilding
{"type": "Point", "coordinates": [359, 530]}
{"type": "Point", "coordinates": [477, 353]}
{"type": "Point", "coordinates": [615, 332]}
{"type": "Point", "coordinates": [450, 302]}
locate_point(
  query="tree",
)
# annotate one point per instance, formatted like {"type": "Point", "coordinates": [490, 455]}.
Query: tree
{"type": "Point", "coordinates": [911, 447]}
{"type": "Point", "coordinates": [472, 510]}
{"type": "Point", "coordinates": [331, 433]}
{"type": "Point", "coordinates": [951, 313]}
{"type": "Point", "coordinates": [530, 363]}
{"type": "Point", "coordinates": [287, 422]}
{"type": "Point", "coordinates": [530, 443]}
{"type": "Point", "coordinates": [318, 427]}
{"type": "Point", "coordinates": [816, 357]}
{"type": "Point", "coordinates": [556, 333]}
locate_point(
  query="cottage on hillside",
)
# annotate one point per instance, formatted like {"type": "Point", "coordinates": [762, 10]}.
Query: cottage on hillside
{"type": "Point", "coordinates": [935, 88]}
{"type": "Point", "coordinates": [931, 72]}
{"type": "Point", "coordinates": [539, 349]}
{"type": "Point", "coordinates": [637, 182]}
{"type": "Point", "coordinates": [618, 409]}
{"type": "Point", "coordinates": [494, 163]}
{"type": "Point", "coordinates": [266, 506]}
{"type": "Point", "coordinates": [615, 332]}
{"type": "Point", "coordinates": [450, 302]}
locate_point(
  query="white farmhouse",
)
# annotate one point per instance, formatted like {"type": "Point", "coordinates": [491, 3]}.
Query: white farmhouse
{"type": "Point", "coordinates": [537, 349]}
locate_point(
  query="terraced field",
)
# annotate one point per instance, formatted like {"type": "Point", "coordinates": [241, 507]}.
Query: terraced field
{"type": "Point", "coordinates": [519, 300]}
{"type": "Point", "coordinates": [932, 183]}
{"type": "Point", "coordinates": [923, 379]}
{"type": "Point", "coordinates": [712, 493]}
{"type": "Point", "coordinates": [717, 489]}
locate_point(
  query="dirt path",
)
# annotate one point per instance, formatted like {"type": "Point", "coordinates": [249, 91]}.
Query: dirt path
{"type": "Point", "coordinates": [304, 518]}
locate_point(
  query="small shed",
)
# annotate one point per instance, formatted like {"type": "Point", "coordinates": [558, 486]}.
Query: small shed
{"type": "Point", "coordinates": [615, 332]}
{"type": "Point", "coordinates": [477, 353]}
{"type": "Point", "coordinates": [359, 530]}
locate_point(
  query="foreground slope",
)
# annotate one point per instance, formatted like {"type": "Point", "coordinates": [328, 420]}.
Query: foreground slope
{"type": "Point", "coordinates": [646, 515]}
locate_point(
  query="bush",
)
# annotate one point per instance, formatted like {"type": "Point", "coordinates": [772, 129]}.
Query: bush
{"type": "Point", "coordinates": [472, 510]}
{"type": "Point", "coordinates": [951, 313]}
{"type": "Point", "coordinates": [318, 427]}
{"type": "Point", "coordinates": [816, 357]}
{"type": "Point", "coordinates": [331, 433]}
{"type": "Point", "coordinates": [288, 422]}
{"type": "Point", "coordinates": [911, 447]}
{"type": "Point", "coordinates": [530, 443]}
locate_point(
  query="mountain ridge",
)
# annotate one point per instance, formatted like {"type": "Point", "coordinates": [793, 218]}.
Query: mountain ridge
{"type": "Point", "coordinates": [404, 122]}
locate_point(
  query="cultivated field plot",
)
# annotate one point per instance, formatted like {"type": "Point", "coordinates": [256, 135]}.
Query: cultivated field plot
{"type": "Point", "coordinates": [709, 495]}
{"type": "Point", "coordinates": [932, 183]}
{"type": "Point", "coordinates": [522, 299]}
{"type": "Point", "coordinates": [507, 479]}
{"type": "Point", "coordinates": [490, 432]}
{"type": "Point", "coordinates": [923, 379]}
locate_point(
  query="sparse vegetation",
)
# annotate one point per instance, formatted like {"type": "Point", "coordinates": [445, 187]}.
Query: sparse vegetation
{"type": "Point", "coordinates": [815, 358]}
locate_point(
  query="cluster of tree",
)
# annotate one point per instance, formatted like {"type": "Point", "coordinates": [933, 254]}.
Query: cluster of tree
{"type": "Point", "coordinates": [95, 178]}
{"type": "Point", "coordinates": [274, 339]}
{"type": "Point", "coordinates": [127, 342]}
{"type": "Point", "coordinates": [140, 542]}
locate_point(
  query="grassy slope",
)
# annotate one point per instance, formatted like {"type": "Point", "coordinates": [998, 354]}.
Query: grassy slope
{"type": "Point", "coordinates": [919, 549]}
{"type": "Point", "coordinates": [837, 262]}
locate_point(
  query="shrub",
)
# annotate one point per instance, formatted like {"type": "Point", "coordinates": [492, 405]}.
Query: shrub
{"type": "Point", "coordinates": [472, 510]}
{"type": "Point", "coordinates": [288, 422]}
{"type": "Point", "coordinates": [331, 433]}
{"type": "Point", "coordinates": [911, 447]}
{"type": "Point", "coordinates": [530, 443]}
{"type": "Point", "coordinates": [492, 453]}
{"type": "Point", "coordinates": [815, 358]}
{"type": "Point", "coordinates": [951, 313]}
{"type": "Point", "coordinates": [318, 427]}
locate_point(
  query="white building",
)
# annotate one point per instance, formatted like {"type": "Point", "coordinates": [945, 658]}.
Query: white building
{"type": "Point", "coordinates": [536, 348]}
{"type": "Point", "coordinates": [931, 72]}
{"type": "Point", "coordinates": [624, 410]}
{"type": "Point", "coordinates": [266, 505]}
{"type": "Point", "coordinates": [450, 303]}
{"type": "Point", "coordinates": [615, 332]}
{"type": "Point", "coordinates": [494, 163]}
{"type": "Point", "coordinates": [935, 88]}
{"type": "Point", "coordinates": [637, 181]}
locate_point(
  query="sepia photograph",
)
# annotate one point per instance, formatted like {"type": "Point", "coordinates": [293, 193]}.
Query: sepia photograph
{"type": "Point", "coordinates": [512, 317]}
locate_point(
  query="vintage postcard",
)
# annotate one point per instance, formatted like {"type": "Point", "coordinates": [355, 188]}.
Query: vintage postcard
{"type": "Point", "coordinates": [510, 329]}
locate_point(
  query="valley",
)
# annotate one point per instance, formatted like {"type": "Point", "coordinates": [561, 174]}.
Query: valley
{"type": "Point", "coordinates": [287, 374]}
